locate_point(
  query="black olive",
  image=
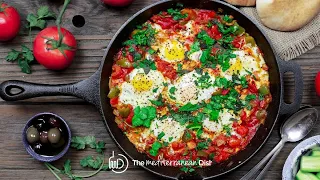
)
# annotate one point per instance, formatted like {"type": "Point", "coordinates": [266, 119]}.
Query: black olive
{"type": "Point", "coordinates": [38, 148]}
{"type": "Point", "coordinates": [54, 122]}
{"type": "Point", "coordinates": [44, 137]}
{"type": "Point", "coordinates": [40, 124]}
{"type": "Point", "coordinates": [54, 135]}
{"type": "Point", "coordinates": [32, 135]}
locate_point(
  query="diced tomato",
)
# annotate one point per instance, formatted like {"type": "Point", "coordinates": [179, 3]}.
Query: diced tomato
{"type": "Point", "coordinates": [164, 22]}
{"type": "Point", "coordinates": [204, 16]}
{"type": "Point", "coordinates": [220, 140]}
{"type": "Point", "coordinates": [221, 157]}
{"type": "Point", "coordinates": [243, 115]}
{"type": "Point", "coordinates": [263, 104]}
{"type": "Point", "coordinates": [191, 145]}
{"type": "Point", "coordinates": [252, 87]}
{"type": "Point", "coordinates": [119, 72]}
{"type": "Point", "coordinates": [114, 101]}
{"type": "Point", "coordinates": [238, 42]}
{"type": "Point", "coordinates": [214, 32]}
{"type": "Point", "coordinates": [167, 69]}
{"type": "Point", "coordinates": [177, 146]}
{"type": "Point", "coordinates": [242, 130]}
{"type": "Point", "coordinates": [234, 142]}
{"type": "Point", "coordinates": [150, 141]}
{"type": "Point", "coordinates": [129, 118]}
{"type": "Point", "coordinates": [191, 13]}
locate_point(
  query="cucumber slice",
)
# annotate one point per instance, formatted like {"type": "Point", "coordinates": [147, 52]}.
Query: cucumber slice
{"type": "Point", "coordinates": [315, 153]}
{"type": "Point", "coordinates": [310, 163]}
{"type": "Point", "coordinates": [306, 176]}
{"type": "Point", "coordinates": [318, 175]}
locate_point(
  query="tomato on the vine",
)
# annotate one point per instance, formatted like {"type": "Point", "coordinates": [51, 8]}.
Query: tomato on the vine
{"type": "Point", "coordinates": [47, 52]}
{"type": "Point", "coordinates": [9, 22]}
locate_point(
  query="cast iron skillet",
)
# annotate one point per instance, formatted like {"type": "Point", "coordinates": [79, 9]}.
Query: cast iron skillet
{"type": "Point", "coordinates": [95, 89]}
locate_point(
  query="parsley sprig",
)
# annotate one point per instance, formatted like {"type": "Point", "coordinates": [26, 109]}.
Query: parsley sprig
{"type": "Point", "coordinates": [97, 163]}
{"type": "Point", "coordinates": [176, 14]}
{"type": "Point", "coordinates": [24, 58]}
{"type": "Point", "coordinates": [39, 20]}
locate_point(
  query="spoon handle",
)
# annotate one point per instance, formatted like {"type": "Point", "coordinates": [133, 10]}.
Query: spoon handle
{"type": "Point", "coordinates": [266, 168]}
{"type": "Point", "coordinates": [256, 168]}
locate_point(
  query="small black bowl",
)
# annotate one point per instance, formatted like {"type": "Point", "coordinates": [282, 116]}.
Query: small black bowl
{"type": "Point", "coordinates": [42, 157]}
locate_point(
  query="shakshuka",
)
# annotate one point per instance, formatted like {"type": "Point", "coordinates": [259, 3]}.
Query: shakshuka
{"type": "Point", "coordinates": [190, 84]}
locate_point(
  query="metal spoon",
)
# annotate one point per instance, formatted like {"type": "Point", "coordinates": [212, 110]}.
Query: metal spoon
{"type": "Point", "coordinates": [294, 129]}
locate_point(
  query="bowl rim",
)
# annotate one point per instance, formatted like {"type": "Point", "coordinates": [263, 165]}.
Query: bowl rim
{"type": "Point", "coordinates": [302, 147]}
{"type": "Point", "coordinates": [40, 157]}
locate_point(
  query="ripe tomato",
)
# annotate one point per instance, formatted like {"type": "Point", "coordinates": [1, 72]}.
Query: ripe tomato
{"type": "Point", "coordinates": [9, 22]}
{"type": "Point", "coordinates": [48, 54]}
{"type": "Point", "coordinates": [117, 3]}
{"type": "Point", "coordinates": [317, 83]}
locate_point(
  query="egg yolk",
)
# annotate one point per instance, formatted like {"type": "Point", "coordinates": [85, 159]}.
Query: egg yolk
{"type": "Point", "coordinates": [173, 51]}
{"type": "Point", "coordinates": [141, 83]}
{"type": "Point", "coordinates": [236, 67]}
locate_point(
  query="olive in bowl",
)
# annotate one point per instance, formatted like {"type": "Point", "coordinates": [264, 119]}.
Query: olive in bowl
{"type": "Point", "coordinates": [46, 137]}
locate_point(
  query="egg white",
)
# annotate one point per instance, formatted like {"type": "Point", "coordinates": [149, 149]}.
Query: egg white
{"type": "Point", "coordinates": [224, 119]}
{"type": "Point", "coordinates": [172, 129]}
{"type": "Point", "coordinates": [187, 90]}
{"type": "Point", "coordinates": [129, 95]}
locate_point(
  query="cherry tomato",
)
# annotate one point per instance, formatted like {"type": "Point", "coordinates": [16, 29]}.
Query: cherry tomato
{"type": "Point", "coordinates": [117, 3]}
{"type": "Point", "coordinates": [317, 83]}
{"type": "Point", "coordinates": [50, 56]}
{"type": "Point", "coordinates": [9, 22]}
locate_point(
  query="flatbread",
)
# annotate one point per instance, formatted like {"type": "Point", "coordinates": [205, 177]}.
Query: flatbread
{"type": "Point", "coordinates": [287, 15]}
{"type": "Point", "coordinates": [242, 2]}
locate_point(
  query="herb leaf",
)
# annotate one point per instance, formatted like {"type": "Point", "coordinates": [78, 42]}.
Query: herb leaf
{"type": "Point", "coordinates": [24, 58]}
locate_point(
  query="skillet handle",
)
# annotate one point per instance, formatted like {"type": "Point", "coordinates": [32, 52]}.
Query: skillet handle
{"type": "Point", "coordinates": [288, 66]}
{"type": "Point", "coordinates": [87, 89]}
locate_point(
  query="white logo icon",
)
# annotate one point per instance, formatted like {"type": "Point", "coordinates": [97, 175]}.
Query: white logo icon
{"type": "Point", "coordinates": [118, 165]}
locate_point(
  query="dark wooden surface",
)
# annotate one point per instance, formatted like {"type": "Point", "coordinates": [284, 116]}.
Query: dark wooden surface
{"type": "Point", "coordinates": [101, 23]}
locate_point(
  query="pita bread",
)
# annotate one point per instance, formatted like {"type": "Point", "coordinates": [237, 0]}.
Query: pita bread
{"type": "Point", "coordinates": [287, 15]}
{"type": "Point", "coordinates": [242, 2]}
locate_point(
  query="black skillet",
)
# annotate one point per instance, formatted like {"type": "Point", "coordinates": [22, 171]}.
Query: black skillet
{"type": "Point", "coordinates": [95, 89]}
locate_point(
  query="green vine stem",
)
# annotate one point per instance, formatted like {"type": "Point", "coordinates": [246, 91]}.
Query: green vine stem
{"type": "Point", "coordinates": [59, 19]}
{"type": "Point", "coordinates": [55, 174]}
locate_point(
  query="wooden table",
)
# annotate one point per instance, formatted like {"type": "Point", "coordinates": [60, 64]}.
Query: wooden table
{"type": "Point", "coordinates": [101, 24]}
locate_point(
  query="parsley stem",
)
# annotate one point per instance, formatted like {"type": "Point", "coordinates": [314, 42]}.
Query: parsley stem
{"type": "Point", "coordinates": [58, 22]}
{"type": "Point", "coordinates": [55, 174]}
{"type": "Point", "coordinates": [93, 173]}
{"type": "Point", "coordinates": [52, 167]}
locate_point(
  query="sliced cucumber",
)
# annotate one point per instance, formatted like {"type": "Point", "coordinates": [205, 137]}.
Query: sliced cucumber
{"type": "Point", "coordinates": [306, 176]}
{"type": "Point", "coordinates": [318, 175]}
{"type": "Point", "coordinates": [315, 153]}
{"type": "Point", "coordinates": [310, 163]}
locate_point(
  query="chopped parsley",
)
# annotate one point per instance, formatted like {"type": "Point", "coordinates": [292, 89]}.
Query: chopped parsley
{"type": "Point", "coordinates": [170, 139]}
{"type": "Point", "coordinates": [190, 107]}
{"type": "Point", "coordinates": [143, 116]}
{"type": "Point", "coordinates": [204, 37]}
{"type": "Point", "coordinates": [155, 148]}
{"type": "Point", "coordinates": [157, 102]}
{"type": "Point", "coordinates": [160, 135]}
{"type": "Point", "coordinates": [172, 90]}
{"type": "Point", "coordinates": [147, 65]}
{"type": "Point", "coordinates": [227, 129]}
{"type": "Point", "coordinates": [194, 48]}
{"type": "Point", "coordinates": [204, 81]}
{"type": "Point", "coordinates": [203, 145]}
{"type": "Point", "coordinates": [176, 14]}
{"type": "Point", "coordinates": [143, 37]}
